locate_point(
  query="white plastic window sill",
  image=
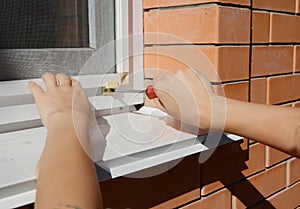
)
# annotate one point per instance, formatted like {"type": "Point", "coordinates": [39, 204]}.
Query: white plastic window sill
{"type": "Point", "coordinates": [143, 142]}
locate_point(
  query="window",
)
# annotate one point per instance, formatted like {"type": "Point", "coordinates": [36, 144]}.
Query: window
{"type": "Point", "coordinates": [95, 40]}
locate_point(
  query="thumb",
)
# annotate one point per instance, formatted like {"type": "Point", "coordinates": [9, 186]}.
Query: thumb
{"type": "Point", "coordinates": [155, 103]}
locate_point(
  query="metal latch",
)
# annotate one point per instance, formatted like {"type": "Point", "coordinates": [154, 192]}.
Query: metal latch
{"type": "Point", "coordinates": [110, 88]}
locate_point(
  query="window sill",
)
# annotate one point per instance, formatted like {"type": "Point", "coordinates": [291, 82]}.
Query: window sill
{"type": "Point", "coordinates": [148, 143]}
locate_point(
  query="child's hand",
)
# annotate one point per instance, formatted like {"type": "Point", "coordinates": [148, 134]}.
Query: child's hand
{"type": "Point", "coordinates": [64, 100]}
{"type": "Point", "coordinates": [186, 96]}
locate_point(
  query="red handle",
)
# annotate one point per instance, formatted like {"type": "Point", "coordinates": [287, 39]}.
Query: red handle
{"type": "Point", "coordinates": [150, 92]}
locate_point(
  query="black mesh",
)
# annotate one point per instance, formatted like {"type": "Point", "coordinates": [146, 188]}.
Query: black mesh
{"type": "Point", "coordinates": [43, 23]}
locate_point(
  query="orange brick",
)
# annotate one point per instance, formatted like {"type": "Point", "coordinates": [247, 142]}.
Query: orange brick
{"type": "Point", "coordinates": [284, 28]}
{"type": "Point", "coordinates": [256, 159]}
{"type": "Point", "coordinates": [297, 59]}
{"type": "Point", "coordinates": [288, 198]}
{"type": "Point", "coordinates": [220, 200]}
{"type": "Point", "coordinates": [167, 3]}
{"type": "Point", "coordinates": [245, 144]}
{"type": "Point", "coordinates": [258, 187]}
{"type": "Point", "coordinates": [214, 173]}
{"type": "Point", "coordinates": [180, 200]}
{"type": "Point", "coordinates": [260, 27]}
{"type": "Point", "coordinates": [270, 60]}
{"type": "Point", "coordinates": [258, 91]}
{"type": "Point", "coordinates": [275, 5]}
{"type": "Point", "coordinates": [211, 24]}
{"type": "Point", "coordinates": [238, 91]}
{"type": "Point", "coordinates": [233, 63]}
{"type": "Point", "coordinates": [121, 192]}
{"type": "Point", "coordinates": [274, 156]}
{"type": "Point", "coordinates": [229, 63]}
{"type": "Point", "coordinates": [293, 171]}
{"type": "Point", "coordinates": [283, 88]}
{"type": "Point", "coordinates": [239, 162]}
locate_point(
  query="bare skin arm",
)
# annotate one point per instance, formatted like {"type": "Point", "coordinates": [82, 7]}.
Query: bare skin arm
{"type": "Point", "coordinates": [276, 126]}
{"type": "Point", "coordinates": [188, 96]}
{"type": "Point", "coordinates": [66, 177]}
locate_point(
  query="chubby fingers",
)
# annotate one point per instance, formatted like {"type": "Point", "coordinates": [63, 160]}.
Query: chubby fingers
{"type": "Point", "coordinates": [156, 103]}
{"type": "Point", "coordinates": [49, 80]}
{"type": "Point", "coordinates": [166, 89]}
{"type": "Point", "coordinates": [52, 81]}
{"type": "Point", "coordinates": [63, 80]}
{"type": "Point", "coordinates": [35, 89]}
{"type": "Point", "coordinates": [167, 85]}
{"type": "Point", "coordinates": [192, 77]}
{"type": "Point", "coordinates": [75, 83]}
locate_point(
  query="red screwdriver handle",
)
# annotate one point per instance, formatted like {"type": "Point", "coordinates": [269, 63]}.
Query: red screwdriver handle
{"type": "Point", "coordinates": [150, 92]}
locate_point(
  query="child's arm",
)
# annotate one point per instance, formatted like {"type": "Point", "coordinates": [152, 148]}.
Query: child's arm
{"type": "Point", "coordinates": [66, 177]}
{"type": "Point", "coordinates": [188, 96]}
{"type": "Point", "coordinates": [276, 126]}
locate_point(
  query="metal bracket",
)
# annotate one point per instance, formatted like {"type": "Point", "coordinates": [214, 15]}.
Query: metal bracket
{"type": "Point", "coordinates": [110, 88]}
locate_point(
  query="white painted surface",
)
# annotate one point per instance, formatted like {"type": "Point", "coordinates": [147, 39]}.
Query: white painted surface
{"type": "Point", "coordinates": [122, 32]}
{"type": "Point", "coordinates": [18, 200]}
{"type": "Point", "coordinates": [16, 92]}
{"type": "Point", "coordinates": [130, 41]}
{"type": "Point", "coordinates": [19, 154]}
{"type": "Point", "coordinates": [134, 142]}
{"type": "Point", "coordinates": [25, 116]}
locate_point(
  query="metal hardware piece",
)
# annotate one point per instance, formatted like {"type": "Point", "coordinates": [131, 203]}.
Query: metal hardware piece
{"type": "Point", "coordinates": [125, 78]}
{"type": "Point", "coordinates": [110, 88]}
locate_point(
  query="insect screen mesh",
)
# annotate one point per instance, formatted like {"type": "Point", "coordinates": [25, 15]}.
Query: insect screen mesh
{"type": "Point", "coordinates": [43, 23]}
{"type": "Point", "coordinates": [38, 36]}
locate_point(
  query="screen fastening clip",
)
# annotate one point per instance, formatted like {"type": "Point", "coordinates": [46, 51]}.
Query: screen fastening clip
{"type": "Point", "coordinates": [110, 88]}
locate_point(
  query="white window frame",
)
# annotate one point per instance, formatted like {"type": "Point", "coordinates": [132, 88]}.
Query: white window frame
{"type": "Point", "coordinates": [17, 108]}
